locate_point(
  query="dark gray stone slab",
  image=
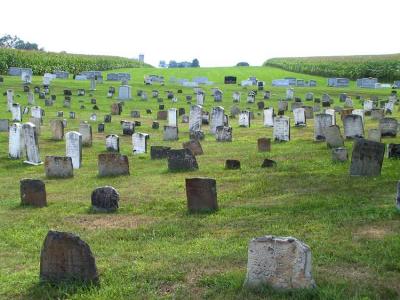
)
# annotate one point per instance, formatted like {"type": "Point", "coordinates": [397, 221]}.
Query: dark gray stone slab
{"type": "Point", "coordinates": [33, 192]}
{"type": "Point", "coordinates": [201, 194]}
{"type": "Point", "coordinates": [181, 160]}
{"type": "Point", "coordinates": [113, 164]}
{"type": "Point", "coordinates": [58, 167]}
{"type": "Point", "coordinates": [367, 158]}
{"type": "Point", "coordinates": [105, 199]}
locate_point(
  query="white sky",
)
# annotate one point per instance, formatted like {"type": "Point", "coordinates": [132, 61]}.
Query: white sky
{"type": "Point", "coordinates": [217, 32]}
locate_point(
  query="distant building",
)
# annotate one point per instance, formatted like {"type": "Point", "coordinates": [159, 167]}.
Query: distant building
{"type": "Point", "coordinates": [141, 58]}
{"type": "Point", "coordinates": [338, 82]}
{"type": "Point", "coordinates": [368, 83]}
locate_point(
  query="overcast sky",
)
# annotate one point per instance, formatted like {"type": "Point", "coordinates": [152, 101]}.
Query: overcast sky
{"type": "Point", "coordinates": [217, 32]}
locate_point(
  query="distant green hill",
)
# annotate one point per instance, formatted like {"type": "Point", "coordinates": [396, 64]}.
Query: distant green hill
{"type": "Point", "coordinates": [384, 67]}
{"type": "Point", "coordinates": [41, 62]}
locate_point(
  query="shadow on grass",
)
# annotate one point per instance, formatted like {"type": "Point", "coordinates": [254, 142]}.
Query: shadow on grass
{"type": "Point", "coordinates": [64, 290]}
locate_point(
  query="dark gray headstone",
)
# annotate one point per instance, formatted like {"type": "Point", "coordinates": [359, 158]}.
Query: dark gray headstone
{"type": "Point", "coordinates": [105, 199]}
{"type": "Point", "coordinates": [367, 158]}
{"type": "Point", "coordinates": [388, 127]}
{"type": "Point", "coordinates": [33, 192]}
{"type": "Point", "coordinates": [159, 152]}
{"type": "Point", "coordinates": [58, 167]}
{"type": "Point", "coordinates": [394, 151]}
{"type": "Point", "coordinates": [201, 194]}
{"type": "Point", "coordinates": [113, 164]}
{"type": "Point", "coordinates": [264, 145]}
{"type": "Point", "coordinates": [181, 160]}
{"type": "Point", "coordinates": [232, 164]}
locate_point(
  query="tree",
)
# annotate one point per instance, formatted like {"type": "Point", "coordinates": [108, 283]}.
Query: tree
{"type": "Point", "coordinates": [14, 42]}
{"type": "Point", "coordinates": [242, 64]}
{"type": "Point", "coordinates": [195, 63]}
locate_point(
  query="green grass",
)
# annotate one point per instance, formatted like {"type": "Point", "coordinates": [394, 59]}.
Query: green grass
{"type": "Point", "coordinates": [384, 67]}
{"type": "Point", "coordinates": [152, 248]}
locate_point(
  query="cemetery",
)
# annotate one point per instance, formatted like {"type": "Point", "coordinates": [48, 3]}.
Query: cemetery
{"type": "Point", "coordinates": [259, 184]}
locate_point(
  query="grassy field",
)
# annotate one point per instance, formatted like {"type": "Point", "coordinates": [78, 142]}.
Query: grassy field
{"type": "Point", "coordinates": [152, 248]}
{"type": "Point", "coordinates": [384, 67]}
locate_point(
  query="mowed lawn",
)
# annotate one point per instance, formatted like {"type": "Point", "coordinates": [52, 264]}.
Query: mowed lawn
{"type": "Point", "coordinates": [152, 248]}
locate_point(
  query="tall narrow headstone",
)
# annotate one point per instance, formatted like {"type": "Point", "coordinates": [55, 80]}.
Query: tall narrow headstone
{"type": "Point", "coordinates": [86, 131]}
{"type": "Point", "coordinates": [16, 144]}
{"type": "Point", "coordinates": [10, 99]}
{"type": "Point", "coordinates": [244, 119]}
{"type": "Point", "coordinates": [31, 144]}
{"type": "Point", "coordinates": [269, 117]}
{"type": "Point", "coordinates": [281, 128]}
{"type": "Point", "coordinates": [299, 117]}
{"type": "Point", "coordinates": [331, 112]}
{"type": "Point", "coordinates": [321, 122]}
{"type": "Point", "coordinates": [16, 112]}
{"type": "Point", "coordinates": [170, 133]}
{"type": "Point", "coordinates": [195, 118]}
{"type": "Point", "coordinates": [217, 118]}
{"type": "Point", "coordinates": [173, 117]}
{"type": "Point", "coordinates": [57, 129]}
{"type": "Point", "coordinates": [73, 148]}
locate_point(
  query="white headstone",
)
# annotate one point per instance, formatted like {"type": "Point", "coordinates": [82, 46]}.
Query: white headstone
{"type": "Point", "coordinates": [173, 117]}
{"type": "Point", "coordinates": [321, 122]}
{"type": "Point", "coordinates": [92, 84]}
{"type": "Point", "coordinates": [16, 141]}
{"type": "Point", "coordinates": [200, 98]}
{"type": "Point", "coordinates": [74, 148]}
{"type": "Point", "coordinates": [299, 117]}
{"type": "Point", "coordinates": [31, 144]}
{"type": "Point", "coordinates": [368, 105]}
{"type": "Point", "coordinates": [93, 117]}
{"type": "Point", "coordinates": [244, 119]}
{"type": "Point", "coordinates": [269, 117]}
{"type": "Point", "coordinates": [139, 141]}
{"type": "Point", "coordinates": [282, 128]}
{"type": "Point", "coordinates": [217, 118]}
{"type": "Point", "coordinates": [31, 98]}
{"type": "Point", "coordinates": [331, 111]}
{"type": "Point", "coordinates": [36, 112]}
{"type": "Point", "coordinates": [112, 143]}
{"type": "Point", "coordinates": [16, 112]}
{"type": "Point", "coordinates": [236, 96]}
{"type": "Point", "coordinates": [195, 117]}
{"type": "Point", "coordinates": [353, 126]}
{"type": "Point", "coordinates": [359, 112]}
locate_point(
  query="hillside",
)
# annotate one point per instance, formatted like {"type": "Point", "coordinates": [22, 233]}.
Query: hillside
{"type": "Point", "coordinates": [384, 67]}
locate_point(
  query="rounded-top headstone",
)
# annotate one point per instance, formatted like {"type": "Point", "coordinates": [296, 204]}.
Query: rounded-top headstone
{"type": "Point", "coordinates": [105, 199]}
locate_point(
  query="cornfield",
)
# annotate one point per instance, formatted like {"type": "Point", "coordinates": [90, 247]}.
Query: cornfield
{"type": "Point", "coordinates": [384, 67]}
{"type": "Point", "coordinates": [46, 62]}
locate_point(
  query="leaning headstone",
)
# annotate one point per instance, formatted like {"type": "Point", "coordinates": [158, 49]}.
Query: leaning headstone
{"type": "Point", "coordinates": [353, 126]}
{"type": "Point", "coordinates": [201, 194]}
{"type": "Point", "coordinates": [113, 164]}
{"type": "Point", "coordinates": [86, 131]}
{"type": "Point", "coordinates": [367, 158]}
{"type": "Point", "coordinates": [33, 192]}
{"type": "Point", "coordinates": [65, 257]}
{"type": "Point", "coordinates": [16, 144]}
{"type": "Point", "coordinates": [194, 146]}
{"type": "Point", "coordinates": [388, 127]}
{"type": "Point", "coordinates": [58, 167]}
{"type": "Point", "coordinates": [73, 148]}
{"type": "Point", "coordinates": [112, 143]}
{"type": "Point", "coordinates": [322, 121]}
{"type": "Point", "coordinates": [159, 152]}
{"type": "Point", "coordinates": [281, 128]}
{"type": "Point", "coordinates": [139, 141]}
{"type": "Point", "coordinates": [181, 160]}
{"type": "Point", "coordinates": [170, 133]}
{"type": "Point", "coordinates": [333, 137]}
{"type": "Point", "coordinates": [279, 262]}
{"type": "Point", "coordinates": [374, 134]}
{"type": "Point", "coordinates": [57, 129]}
{"type": "Point", "coordinates": [339, 154]}
{"type": "Point", "coordinates": [105, 199]}
{"type": "Point", "coordinates": [37, 122]}
{"type": "Point", "coordinates": [223, 134]}
{"type": "Point", "coordinates": [264, 145]}
{"type": "Point", "coordinates": [195, 118]}
{"type": "Point", "coordinates": [31, 144]}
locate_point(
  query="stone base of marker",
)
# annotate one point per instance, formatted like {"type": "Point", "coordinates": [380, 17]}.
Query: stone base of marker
{"type": "Point", "coordinates": [65, 257]}
{"type": "Point", "coordinates": [181, 160]}
{"type": "Point", "coordinates": [339, 154]}
{"type": "Point", "coordinates": [113, 164]}
{"type": "Point", "coordinates": [33, 192]}
{"type": "Point", "coordinates": [194, 146]}
{"type": "Point", "coordinates": [105, 199]}
{"type": "Point", "coordinates": [268, 163]}
{"type": "Point", "coordinates": [58, 167]}
{"type": "Point", "coordinates": [264, 145]}
{"type": "Point", "coordinates": [201, 194]}
{"type": "Point", "coordinates": [232, 164]}
{"type": "Point", "coordinates": [279, 262]}
{"type": "Point", "coordinates": [159, 152]}
{"type": "Point", "coordinates": [196, 135]}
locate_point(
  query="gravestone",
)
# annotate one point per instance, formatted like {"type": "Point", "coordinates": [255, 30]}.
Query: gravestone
{"type": "Point", "coordinates": [37, 123]}
{"type": "Point", "coordinates": [128, 128]}
{"type": "Point", "coordinates": [10, 98]}
{"type": "Point", "coordinates": [16, 112]}
{"type": "Point", "coordinates": [367, 158]}
{"type": "Point", "coordinates": [283, 105]}
{"type": "Point", "coordinates": [289, 94]}
{"type": "Point", "coordinates": [223, 134]}
{"type": "Point", "coordinates": [113, 164]}
{"type": "Point", "coordinates": [112, 143]}
{"type": "Point", "coordinates": [159, 152]}
{"type": "Point", "coordinates": [359, 112]}
{"type": "Point", "coordinates": [244, 119]}
{"type": "Point", "coordinates": [115, 109]}
{"type": "Point", "coordinates": [195, 118]}
{"type": "Point", "coordinates": [201, 194]}
{"type": "Point", "coordinates": [235, 110]}
{"type": "Point", "coordinates": [279, 262]}
{"type": "Point", "coordinates": [377, 114]}
{"type": "Point", "coordinates": [269, 117]}
{"type": "Point", "coordinates": [309, 112]}
{"type": "Point", "coordinates": [194, 146]}
{"type": "Point", "coordinates": [200, 97]}
{"type": "Point", "coordinates": [139, 142]}
{"type": "Point", "coordinates": [232, 164]}
{"type": "Point", "coordinates": [205, 118]}
{"type": "Point", "coordinates": [86, 131]}
{"type": "Point", "coordinates": [100, 127]}
{"type": "Point", "coordinates": [4, 125]}
{"type": "Point", "coordinates": [394, 151]}
{"type": "Point", "coordinates": [181, 160]}
{"type": "Point", "coordinates": [170, 133]}
{"type": "Point", "coordinates": [281, 129]}
{"type": "Point", "coordinates": [268, 163]}
{"type": "Point", "coordinates": [135, 114]}
{"type": "Point", "coordinates": [31, 144]}
{"type": "Point", "coordinates": [162, 115]}
{"type": "Point", "coordinates": [331, 112]}
{"type": "Point", "coordinates": [217, 118]}
{"type": "Point", "coordinates": [173, 117]}
{"type": "Point", "coordinates": [31, 98]}
{"type": "Point", "coordinates": [322, 121]}
{"type": "Point", "coordinates": [264, 145]}
{"type": "Point", "coordinates": [309, 96]}
{"type": "Point", "coordinates": [33, 192]}
{"type": "Point", "coordinates": [57, 130]}
{"type": "Point", "coordinates": [339, 154]}
{"type": "Point", "coordinates": [16, 144]}
{"type": "Point", "coordinates": [236, 97]}
{"type": "Point", "coordinates": [107, 118]}
{"type": "Point", "coordinates": [348, 103]}
{"type": "Point", "coordinates": [58, 167]}
{"type": "Point", "coordinates": [155, 125]}
{"type": "Point", "coordinates": [388, 127]}
{"type": "Point", "coordinates": [73, 148]}
{"type": "Point", "coordinates": [72, 115]}
{"type": "Point", "coordinates": [342, 97]}
{"type": "Point", "coordinates": [299, 117]}
{"type": "Point", "coordinates": [368, 105]}
{"type": "Point", "coordinates": [196, 135]}
{"type": "Point", "coordinates": [333, 137]}
{"type": "Point", "coordinates": [105, 199]}
{"type": "Point", "coordinates": [374, 134]}
{"type": "Point", "coordinates": [65, 257]}
{"type": "Point", "coordinates": [260, 105]}
{"type": "Point", "coordinates": [124, 92]}
{"type": "Point", "coordinates": [353, 126]}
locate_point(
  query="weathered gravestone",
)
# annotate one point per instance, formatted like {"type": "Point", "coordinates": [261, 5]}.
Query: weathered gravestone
{"type": "Point", "coordinates": [398, 196]}
{"type": "Point", "coordinates": [181, 160]}
{"type": "Point", "coordinates": [100, 127]}
{"type": "Point", "coordinates": [201, 194]}
{"type": "Point", "coordinates": [367, 158]}
{"type": "Point", "coordinates": [309, 112]}
{"type": "Point", "coordinates": [244, 119]}
{"type": "Point", "coordinates": [65, 257]}
{"type": "Point", "coordinates": [162, 115]}
{"type": "Point", "coordinates": [113, 164]}
{"type": "Point", "coordinates": [173, 117]}
{"type": "Point", "coordinates": [269, 117]}
{"type": "Point", "coordinates": [264, 145]}
{"type": "Point", "coordinates": [289, 94]}
{"type": "Point", "coordinates": [128, 128]}
{"type": "Point", "coordinates": [236, 96]}
{"type": "Point", "coordinates": [299, 117]}
{"type": "Point", "coordinates": [58, 167]}
{"type": "Point", "coordinates": [124, 92]}
{"type": "Point", "coordinates": [16, 144]}
{"type": "Point", "coordinates": [353, 126]}
{"type": "Point", "coordinates": [170, 133]}
{"type": "Point", "coordinates": [394, 151]}
{"type": "Point", "coordinates": [139, 142]}
{"type": "Point", "coordinates": [223, 134]}
{"type": "Point", "coordinates": [339, 154]}
{"type": "Point", "coordinates": [73, 148]}
{"type": "Point", "coordinates": [322, 121]}
{"type": "Point", "coordinates": [195, 118]}
{"type": "Point", "coordinates": [105, 199]}
{"type": "Point", "coordinates": [332, 112]}
{"type": "Point", "coordinates": [4, 125]}
{"type": "Point", "coordinates": [359, 112]}
{"type": "Point", "coordinates": [159, 152]}
{"type": "Point", "coordinates": [374, 134]}
{"type": "Point", "coordinates": [57, 129]}
{"type": "Point", "coordinates": [86, 131]}
{"type": "Point", "coordinates": [16, 112]}
{"type": "Point", "coordinates": [37, 123]}
{"type": "Point", "coordinates": [333, 137]}
{"type": "Point", "coordinates": [388, 127]}
{"type": "Point", "coordinates": [232, 164]}
{"type": "Point", "coordinates": [279, 262]}
{"type": "Point", "coordinates": [345, 112]}
{"type": "Point", "coordinates": [33, 192]}
{"type": "Point", "coordinates": [281, 129]}
{"type": "Point", "coordinates": [217, 118]}
{"type": "Point", "coordinates": [268, 163]}
{"type": "Point", "coordinates": [112, 143]}
{"type": "Point", "coordinates": [31, 144]}
{"type": "Point", "coordinates": [194, 146]}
